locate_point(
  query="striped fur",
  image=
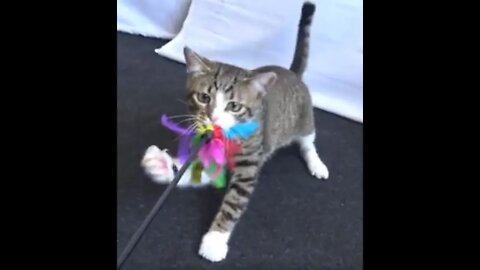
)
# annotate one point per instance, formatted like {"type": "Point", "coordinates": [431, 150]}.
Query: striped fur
{"type": "Point", "coordinates": [276, 98]}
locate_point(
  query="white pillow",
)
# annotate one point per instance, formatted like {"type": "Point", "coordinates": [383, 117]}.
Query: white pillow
{"type": "Point", "coordinates": [246, 33]}
{"type": "Point", "coordinates": [335, 66]}
{"type": "Point", "coordinates": [151, 18]}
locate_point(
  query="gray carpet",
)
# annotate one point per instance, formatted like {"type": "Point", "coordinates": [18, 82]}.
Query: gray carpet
{"type": "Point", "coordinates": [294, 221]}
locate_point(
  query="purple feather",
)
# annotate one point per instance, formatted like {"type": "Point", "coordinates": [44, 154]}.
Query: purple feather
{"type": "Point", "coordinates": [174, 127]}
{"type": "Point", "coordinates": [186, 137]}
{"type": "Point", "coordinates": [184, 148]}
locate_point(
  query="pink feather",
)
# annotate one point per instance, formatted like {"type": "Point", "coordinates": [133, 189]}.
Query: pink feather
{"type": "Point", "coordinates": [213, 151]}
{"type": "Point", "coordinates": [217, 151]}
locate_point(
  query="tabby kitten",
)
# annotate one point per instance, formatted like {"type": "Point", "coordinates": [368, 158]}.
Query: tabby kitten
{"type": "Point", "coordinates": [224, 94]}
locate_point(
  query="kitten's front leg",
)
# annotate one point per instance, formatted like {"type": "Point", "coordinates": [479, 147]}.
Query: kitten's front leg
{"type": "Point", "coordinates": [158, 164]}
{"type": "Point", "coordinates": [214, 246]}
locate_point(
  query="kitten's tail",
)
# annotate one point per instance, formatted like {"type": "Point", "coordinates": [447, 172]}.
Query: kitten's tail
{"type": "Point", "coordinates": [300, 57]}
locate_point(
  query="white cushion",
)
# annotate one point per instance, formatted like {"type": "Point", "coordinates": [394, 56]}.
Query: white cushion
{"type": "Point", "coordinates": [240, 32]}
{"type": "Point", "coordinates": [151, 18]}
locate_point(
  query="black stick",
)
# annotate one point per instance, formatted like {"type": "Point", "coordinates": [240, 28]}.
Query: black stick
{"type": "Point", "coordinates": [136, 236]}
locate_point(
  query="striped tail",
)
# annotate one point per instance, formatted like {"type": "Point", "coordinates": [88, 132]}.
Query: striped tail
{"type": "Point", "coordinates": [300, 57]}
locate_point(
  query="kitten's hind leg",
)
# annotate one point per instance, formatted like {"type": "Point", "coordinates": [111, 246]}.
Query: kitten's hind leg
{"type": "Point", "coordinates": [309, 152]}
{"type": "Point", "coordinates": [158, 164]}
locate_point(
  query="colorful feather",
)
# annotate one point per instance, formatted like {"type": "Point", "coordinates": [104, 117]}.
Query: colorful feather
{"type": "Point", "coordinates": [184, 148]}
{"type": "Point", "coordinates": [243, 130]}
{"type": "Point", "coordinates": [216, 153]}
{"type": "Point", "coordinates": [174, 127]}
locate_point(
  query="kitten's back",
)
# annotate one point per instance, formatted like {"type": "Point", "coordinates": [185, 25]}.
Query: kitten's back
{"type": "Point", "coordinates": [287, 107]}
{"type": "Point", "coordinates": [288, 112]}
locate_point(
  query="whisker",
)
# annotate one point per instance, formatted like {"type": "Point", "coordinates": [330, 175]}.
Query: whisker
{"type": "Point", "coordinates": [181, 115]}
{"type": "Point", "coordinates": [192, 127]}
{"type": "Point", "coordinates": [186, 120]}
{"type": "Point", "coordinates": [181, 101]}
{"type": "Point", "coordinates": [193, 117]}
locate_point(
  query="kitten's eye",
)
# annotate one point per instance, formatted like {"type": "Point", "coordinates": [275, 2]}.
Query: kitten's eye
{"type": "Point", "coordinates": [234, 106]}
{"type": "Point", "coordinates": [203, 98]}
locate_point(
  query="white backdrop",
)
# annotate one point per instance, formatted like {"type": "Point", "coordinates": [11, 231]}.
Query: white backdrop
{"type": "Point", "coordinates": [252, 33]}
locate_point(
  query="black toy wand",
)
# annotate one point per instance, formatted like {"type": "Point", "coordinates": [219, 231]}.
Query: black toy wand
{"type": "Point", "coordinates": [140, 231]}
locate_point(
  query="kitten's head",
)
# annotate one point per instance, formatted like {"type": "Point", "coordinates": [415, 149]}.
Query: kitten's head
{"type": "Point", "coordinates": [222, 94]}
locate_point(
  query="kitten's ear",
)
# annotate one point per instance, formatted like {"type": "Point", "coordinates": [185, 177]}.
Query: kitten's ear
{"type": "Point", "coordinates": [261, 82]}
{"type": "Point", "coordinates": [196, 63]}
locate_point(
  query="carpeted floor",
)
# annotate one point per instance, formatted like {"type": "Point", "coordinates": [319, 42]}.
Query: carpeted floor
{"type": "Point", "coordinates": [294, 221]}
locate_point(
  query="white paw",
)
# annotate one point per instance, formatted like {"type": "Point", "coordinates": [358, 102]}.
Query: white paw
{"type": "Point", "coordinates": [317, 167]}
{"type": "Point", "coordinates": [158, 165]}
{"type": "Point", "coordinates": [214, 246]}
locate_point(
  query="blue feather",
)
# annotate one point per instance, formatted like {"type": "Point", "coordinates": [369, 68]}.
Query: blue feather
{"type": "Point", "coordinates": [243, 130]}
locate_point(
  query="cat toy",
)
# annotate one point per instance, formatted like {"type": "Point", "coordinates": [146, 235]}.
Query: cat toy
{"type": "Point", "coordinates": [148, 220]}
{"type": "Point", "coordinates": [215, 157]}
{"type": "Point", "coordinates": [210, 146]}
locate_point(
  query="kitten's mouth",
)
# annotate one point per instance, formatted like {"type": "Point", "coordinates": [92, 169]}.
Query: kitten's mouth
{"type": "Point", "coordinates": [204, 122]}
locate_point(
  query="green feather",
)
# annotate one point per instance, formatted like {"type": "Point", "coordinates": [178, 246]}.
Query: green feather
{"type": "Point", "coordinates": [220, 181]}
{"type": "Point", "coordinates": [196, 169]}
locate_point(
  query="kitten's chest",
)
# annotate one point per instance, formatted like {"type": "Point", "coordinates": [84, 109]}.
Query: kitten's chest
{"type": "Point", "coordinates": [252, 144]}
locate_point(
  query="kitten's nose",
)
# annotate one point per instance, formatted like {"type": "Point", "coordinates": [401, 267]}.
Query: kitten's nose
{"type": "Point", "coordinates": [214, 119]}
